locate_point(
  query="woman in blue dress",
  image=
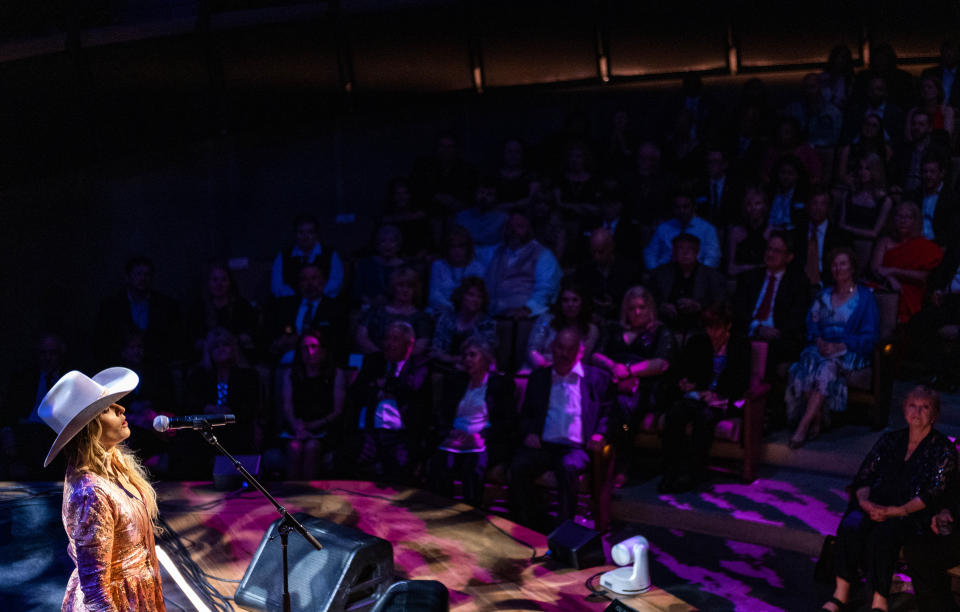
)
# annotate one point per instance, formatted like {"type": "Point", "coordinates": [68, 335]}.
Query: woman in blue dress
{"type": "Point", "coordinates": [841, 332]}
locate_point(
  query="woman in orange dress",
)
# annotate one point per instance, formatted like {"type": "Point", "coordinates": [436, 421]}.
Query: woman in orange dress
{"type": "Point", "coordinates": [109, 507]}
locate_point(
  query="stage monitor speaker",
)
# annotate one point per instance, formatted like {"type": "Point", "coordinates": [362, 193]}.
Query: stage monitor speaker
{"type": "Point", "coordinates": [351, 573]}
{"type": "Point", "coordinates": [415, 596]}
{"type": "Point", "coordinates": [225, 475]}
{"type": "Point", "coordinates": [576, 546]}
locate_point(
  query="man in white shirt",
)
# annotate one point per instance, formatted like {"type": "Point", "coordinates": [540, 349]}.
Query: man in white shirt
{"type": "Point", "coordinates": [660, 249]}
{"type": "Point", "coordinates": [564, 417]}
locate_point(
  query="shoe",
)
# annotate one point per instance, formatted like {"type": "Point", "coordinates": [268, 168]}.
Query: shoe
{"type": "Point", "coordinates": [840, 605]}
{"type": "Point", "coordinates": [795, 444]}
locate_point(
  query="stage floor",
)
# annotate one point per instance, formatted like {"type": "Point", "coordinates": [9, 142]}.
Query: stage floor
{"type": "Point", "coordinates": [433, 538]}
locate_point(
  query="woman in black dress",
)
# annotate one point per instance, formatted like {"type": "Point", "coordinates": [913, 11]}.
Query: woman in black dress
{"type": "Point", "coordinates": [899, 487]}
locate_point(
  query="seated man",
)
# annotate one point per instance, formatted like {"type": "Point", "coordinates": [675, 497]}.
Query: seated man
{"type": "Point", "coordinates": [287, 317]}
{"type": "Point", "coordinates": [523, 276]}
{"type": "Point", "coordinates": [683, 287]}
{"type": "Point", "coordinates": [564, 415]}
{"type": "Point", "coordinates": [817, 237]}
{"type": "Point", "coordinates": [771, 303]}
{"type": "Point", "coordinates": [821, 120]}
{"type": "Point", "coordinates": [390, 408]}
{"type": "Point", "coordinates": [306, 249]}
{"type": "Point", "coordinates": [937, 201]}
{"type": "Point", "coordinates": [606, 276]}
{"type": "Point", "coordinates": [684, 220]}
{"type": "Point", "coordinates": [138, 308]}
{"type": "Point", "coordinates": [484, 220]}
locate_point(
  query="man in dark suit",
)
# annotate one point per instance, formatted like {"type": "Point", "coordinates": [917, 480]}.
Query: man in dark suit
{"type": "Point", "coordinates": [564, 416]}
{"type": "Point", "coordinates": [876, 102]}
{"type": "Point", "coordinates": [138, 308]}
{"type": "Point", "coordinates": [389, 408]}
{"type": "Point", "coordinates": [815, 238]}
{"type": "Point", "coordinates": [606, 276]}
{"type": "Point", "coordinates": [938, 205]}
{"type": "Point", "coordinates": [287, 317]}
{"type": "Point", "coordinates": [770, 303]}
{"type": "Point", "coordinates": [718, 194]}
{"type": "Point", "coordinates": [946, 71]}
{"type": "Point", "coordinates": [684, 287]}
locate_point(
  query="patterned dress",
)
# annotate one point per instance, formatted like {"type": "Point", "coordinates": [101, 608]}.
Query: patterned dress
{"type": "Point", "coordinates": [815, 372]}
{"type": "Point", "coordinates": [111, 544]}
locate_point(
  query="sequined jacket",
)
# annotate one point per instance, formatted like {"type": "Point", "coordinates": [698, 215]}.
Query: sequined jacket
{"type": "Point", "coordinates": [114, 554]}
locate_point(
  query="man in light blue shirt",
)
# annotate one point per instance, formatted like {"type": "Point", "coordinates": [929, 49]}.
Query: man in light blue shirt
{"type": "Point", "coordinates": [660, 249]}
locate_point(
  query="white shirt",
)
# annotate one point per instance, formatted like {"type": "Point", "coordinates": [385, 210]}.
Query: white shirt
{"type": "Point", "coordinates": [387, 415]}
{"type": "Point", "coordinates": [472, 415]}
{"type": "Point", "coordinates": [777, 277]}
{"type": "Point", "coordinates": [564, 422]}
{"type": "Point", "coordinates": [821, 235]}
{"type": "Point", "coordinates": [929, 209]}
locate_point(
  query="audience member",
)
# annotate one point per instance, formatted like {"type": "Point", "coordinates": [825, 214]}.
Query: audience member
{"type": "Point", "coordinates": [817, 117]}
{"type": "Point", "coordinates": [620, 146]}
{"type": "Point", "coordinates": [484, 220]}
{"type": "Point", "coordinates": [747, 142]}
{"type": "Point", "coordinates": [770, 302]}
{"type": "Point", "coordinates": [747, 241]}
{"type": "Point", "coordinates": [842, 327]}
{"type": "Point", "coordinates": [222, 306]}
{"type": "Point", "coordinates": [870, 138]}
{"type": "Point", "coordinates": [288, 317]}
{"type": "Point", "coordinates": [910, 155]}
{"type": "Point", "coordinates": [717, 193]}
{"type": "Point", "coordinates": [154, 395]}
{"type": "Point", "coordinates": [564, 416]}
{"type": "Point", "coordinates": [626, 231]}
{"type": "Point", "coordinates": [865, 212]}
{"type": "Point", "coordinates": [836, 80]}
{"type": "Point", "coordinates": [712, 373]}
{"type": "Point", "coordinates": [513, 179]}
{"type": "Point", "coordinates": [389, 409]}
{"type": "Point", "coordinates": [788, 142]}
{"type": "Point", "coordinates": [876, 103]}
{"type": "Point", "coordinates": [570, 310]}
{"type": "Point", "coordinates": [139, 308]}
{"type": "Point", "coordinates": [606, 276]}
{"type": "Point", "coordinates": [306, 249]}
{"type": "Point", "coordinates": [405, 293]}
{"type": "Point", "coordinates": [648, 187]}
{"type": "Point", "coordinates": [939, 206]}
{"type": "Point", "coordinates": [788, 191]}
{"type": "Point", "coordinates": [903, 260]}
{"type": "Point", "coordinates": [946, 71]}
{"type": "Point", "coordinates": [683, 287]}
{"type": "Point", "coordinates": [637, 351]}
{"type": "Point", "coordinates": [900, 486]}
{"type": "Point", "coordinates": [443, 182]}
{"type": "Point", "coordinates": [578, 185]}
{"type": "Point", "coordinates": [682, 149]}
{"type": "Point", "coordinates": [935, 330]}
{"type": "Point", "coordinates": [372, 277]}
{"type": "Point", "coordinates": [816, 237]}
{"type": "Point", "coordinates": [412, 222]}
{"type": "Point", "coordinates": [685, 221]}
{"type": "Point", "coordinates": [222, 384]}
{"type": "Point", "coordinates": [313, 393]}
{"type": "Point", "coordinates": [547, 219]}
{"type": "Point", "coordinates": [477, 419]}
{"type": "Point", "coordinates": [468, 319]}
{"type": "Point", "coordinates": [931, 101]}
{"type": "Point", "coordinates": [446, 273]}
{"type": "Point", "coordinates": [883, 65]}
{"type": "Point", "coordinates": [523, 276]}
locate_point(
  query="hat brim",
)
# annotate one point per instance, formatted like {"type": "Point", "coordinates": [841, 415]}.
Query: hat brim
{"type": "Point", "coordinates": [119, 382]}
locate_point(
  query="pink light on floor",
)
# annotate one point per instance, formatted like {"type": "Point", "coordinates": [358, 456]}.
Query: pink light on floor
{"type": "Point", "coordinates": [788, 500]}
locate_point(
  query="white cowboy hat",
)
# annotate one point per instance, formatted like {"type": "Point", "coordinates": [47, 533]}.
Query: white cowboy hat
{"type": "Point", "coordinates": [76, 399]}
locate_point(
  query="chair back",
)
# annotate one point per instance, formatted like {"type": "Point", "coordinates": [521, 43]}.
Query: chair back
{"type": "Point", "coordinates": [888, 303]}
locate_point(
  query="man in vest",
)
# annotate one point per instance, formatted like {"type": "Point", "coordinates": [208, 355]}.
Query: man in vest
{"type": "Point", "coordinates": [306, 249]}
{"type": "Point", "coordinates": [523, 276]}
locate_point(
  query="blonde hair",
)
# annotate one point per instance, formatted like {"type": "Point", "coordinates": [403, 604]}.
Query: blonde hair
{"type": "Point", "coordinates": [631, 294]}
{"type": "Point", "coordinates": [85, 453]}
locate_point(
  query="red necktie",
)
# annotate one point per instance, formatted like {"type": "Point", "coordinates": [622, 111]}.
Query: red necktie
{"type": "Point", "coordinates": [763, 312]}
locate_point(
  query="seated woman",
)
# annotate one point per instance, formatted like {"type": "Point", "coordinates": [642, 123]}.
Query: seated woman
{"type": "Point", "coordinates": [469, 318]}
{"type": "Point", "coordinates": [372, 275]}
{"type": "Point", "coordinates": [447, 273]}
{"type": "Point", "coordinates": [930, 100]}
{"type": "Point", "coordinates": [864, 214]}
{"type": "Point", "coordinates": [223, 307]}
{"type": "Point", "coordinates": [570, 310]}
{"type": "Point", "coordinates": [904, 260]}
{"type": "Point", "coordinates": [841, 331]}
{"type": "Point", "coordinates": [747, 241]}
{"type": "Point", "coordinates": [899, 487]}
{"type": "Point", "coordinates": [223, 384]}
{"type": "Point", "coordinates": [404, 305]}
{"type": "Point", "coordinates": [637, 351]}
{"type": "Point", "coordinates": [871, 139]}
{"type": "Point", "coordinates": [312, 394]}
{"type": "Point", "coordinates": [713, 372]}
{"type": "Point", "coordinates": [477, 418]}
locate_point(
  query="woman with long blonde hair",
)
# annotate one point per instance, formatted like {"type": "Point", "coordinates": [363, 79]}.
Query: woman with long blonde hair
{"type": "Point", "coordinates": [109, 507]}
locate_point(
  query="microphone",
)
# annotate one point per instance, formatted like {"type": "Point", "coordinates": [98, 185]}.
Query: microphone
{"type": "Point", "coordinates": [194, 421]}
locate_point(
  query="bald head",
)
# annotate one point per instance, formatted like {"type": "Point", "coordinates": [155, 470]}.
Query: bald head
{"type": "Point", "coordinates": [601, 246]}
{"type": "Point", "coordinates": [567, 350]}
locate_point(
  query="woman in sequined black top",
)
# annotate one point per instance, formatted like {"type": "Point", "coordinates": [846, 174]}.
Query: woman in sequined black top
{"type": "Point", "coordinates": [899, 486]}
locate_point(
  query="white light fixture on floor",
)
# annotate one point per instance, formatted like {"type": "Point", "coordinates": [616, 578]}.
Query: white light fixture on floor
{"type": "Point", "coordinates": [629, 580]}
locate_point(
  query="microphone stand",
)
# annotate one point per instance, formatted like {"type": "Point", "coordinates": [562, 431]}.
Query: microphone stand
{"type": "Point", "coordinates": [287, 522]}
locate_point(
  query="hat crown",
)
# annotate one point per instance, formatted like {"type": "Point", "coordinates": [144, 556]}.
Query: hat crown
{"type": "Point", "coordinates": [68, 397]}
